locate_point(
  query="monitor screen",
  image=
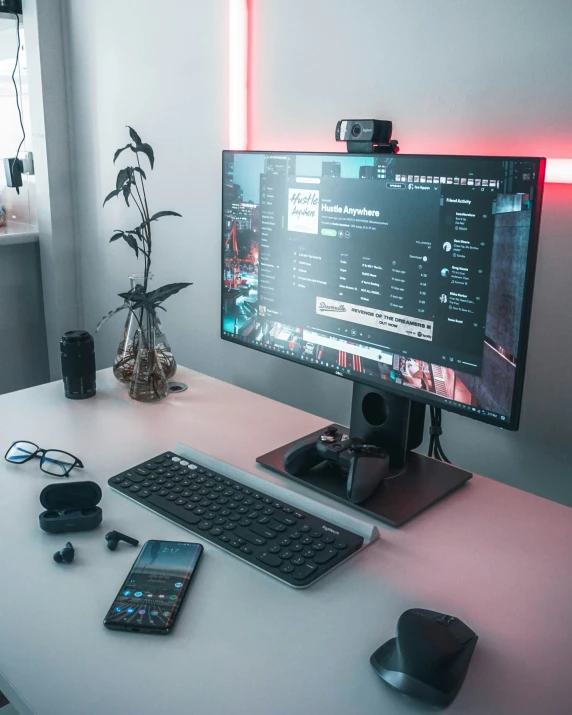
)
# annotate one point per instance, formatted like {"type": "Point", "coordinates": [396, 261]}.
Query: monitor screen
{"type": "Point", "coordinates": [408, 273]}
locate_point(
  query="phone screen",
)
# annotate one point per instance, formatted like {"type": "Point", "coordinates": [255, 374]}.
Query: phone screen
{"type": "Point", "coordinates": [153, 591]}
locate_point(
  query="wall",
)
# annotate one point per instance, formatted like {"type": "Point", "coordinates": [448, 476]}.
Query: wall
{"type": "Point", "coordinates": [23, 352]}
{"type": "Point", "coordinates": [487, 79]}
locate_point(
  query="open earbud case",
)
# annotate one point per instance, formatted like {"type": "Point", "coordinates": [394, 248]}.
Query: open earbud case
{"type": "Point", "coordinates": [70, 507]}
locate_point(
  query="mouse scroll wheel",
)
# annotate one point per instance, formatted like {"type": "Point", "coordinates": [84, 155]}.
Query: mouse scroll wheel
{"type": "Point", "coordinates": [446, 620]}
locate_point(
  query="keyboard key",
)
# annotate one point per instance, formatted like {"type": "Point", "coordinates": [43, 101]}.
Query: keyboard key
{"type": "Point", "coordinates": [175, 478]}
{"type": "Point", "coordinates": [214, 507]}
{"type": "Point", "coordinates": [205, 502]}
{"type": "Point", "coordinates": [185, 482]}
{"type": "Point", "coordinates": [235, 543]}
{"type": "Point", "coordinates": [196, 499]}
{"type": "Point", "coordinates": [246, 549]}
{"type": "Point", "coordinates": [284, 542]}
{"type": "Point", "coordinates": [285, 554]}
{"type": "Point", "coordinates": [294, 535]}
{"type": "Point", "coordinates": [262, 530]}
{"type": "Point", "coordinates": [161, 480]}
{"type": "Point", "coordinates": [159, 460]}
{"type": "Point", "coordinates": [160, 471]}
{"type": "Point", "coordinates": [180, 501]}
{"type": "Point", "coordinates": [308, 554]}
{"type": "Point", "coordinates": [224, 537]}
{"type": "Point", "coordinates": [318, 546]}
{"type": "Point", "coordinates": [269, 559]}
{"type": "Point", "coordinates": [245, 490]}
{"type": "Point", "coordinates": [203, 491]}
{"type": "Point", "coordinates": [212, 474]}
{"type": "Point", "coordinates": [184, 463]}
{"type": "Point", "coordinates": [219, 520]}
{"type": "Point", "coordinates": [172, 508]}
{"type": "Point", "coordinates": [287, 510]}
{"type": "Point", "coordinates": [298, 561]}
{"type": "Point", "coordinates": [325, 555]}
{"type": "Point", "coordinates": [251, 515]}
{"type": "Point", "coordinates": [224, 512]}
{"type": "Point", "coordinates": [209, 516]}
{"type": "Point", "coordinates": [267, 500]}
{"type": "Point", "coordinates": [298, 515]}
{"type": "Point", "coordinates": [274, 549]}
{"type": "Point", "coordinates": [249, 536]}
{"type": "Point", "coordinates": [302, 572]}
{"type": "Point", "coordinates": [238, 497]}
{"type": "Point", "coordinates": [296, 547]}
{"type": "Point", "coordinates": [230, 525]}
{"type": "Point", "coordinates": [340, 545]}
{"type": "Point", "coordinates": [162, 493]}
{"type": "Point", "coordinates": [199, 511]}
{"type": "Point", "coordinates": [315, 534]}
{"type": "Point", "coordinates": [190, 507]}
{"type": "Point", "coordinates": [222, 500]}
{"type": "Point", "coordinates": [304, 527]}
{"type": "Point", "coordinates": [201, 470]}
{"type": "Point", "coordinates": [263, 520]}
{"type": "Point", "coordinates": [245, 522]}
{"type": "Point", "coordinates": [174, 467]}
{"type": "Point", "coordinates": [277, 505]}
{"type": "Point", "coordinates": [117, 480]}
{"type": "Point", "coordinates": [276, 526]}
{"type": "Point", "coordinates": [248, 501]}
{"type": "Point", "coordinates": [204, 525]}
{"type": "Point", "coordinates": [215, 531]}
{"type": "Point", "coordinates": [169, 475]}
{"type": "Point", "coordinates": [172, 497]}
{"type": "Point", "coordinates": [306, 541]}
{"type": "Point", "coordinates": [257, 506]}
{"type": "Point", "coordinates": [269, 510]}
{"type": "Point", "coordinates": [143, 472]}
{"type": "Point", "coordinates": [186, 493]}
{"type": "Point", "coordinates": [154, 488]}
{"type": "Point", "coordinates": [232, 505]}
{"type": "Point", "coordinates": [327, 538]}
{"type": "Point", "coordinates": [177, 490]}
{"type": "Point", "coordinates": [242, 510]}
{"type": "Point", "coordinates": [126, 483]}
{"type": "Point", "coordinates": [174, 459]}
{"type": "Point", "coordinates": [233, 517]}
{"type": "Point", "coordinates": [144, 493]}
{"type": "Point", "coordinates": [146, 484]}
{"type": "Point", "coordinates": [284, 518]}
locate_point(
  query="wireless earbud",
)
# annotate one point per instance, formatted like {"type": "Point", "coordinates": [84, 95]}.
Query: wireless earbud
{"type": "Point", "coordinates": [65, 555]}
{"type": "Point", "coordinates": [114, 537]}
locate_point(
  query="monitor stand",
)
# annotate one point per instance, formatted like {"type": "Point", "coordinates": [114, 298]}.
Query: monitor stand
{"type": "Point", "coordinates": [395, 424]}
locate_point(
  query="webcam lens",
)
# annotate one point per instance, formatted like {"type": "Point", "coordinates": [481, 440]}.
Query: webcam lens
{"type": "Point", "coordinates": [356, 130]}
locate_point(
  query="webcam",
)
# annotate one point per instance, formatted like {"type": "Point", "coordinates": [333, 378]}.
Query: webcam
{"type": "Point", "coordinates": [367, 136]}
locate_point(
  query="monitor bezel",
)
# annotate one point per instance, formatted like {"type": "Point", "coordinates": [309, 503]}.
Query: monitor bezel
{"type": "Point", "coordinates": [513, 420]}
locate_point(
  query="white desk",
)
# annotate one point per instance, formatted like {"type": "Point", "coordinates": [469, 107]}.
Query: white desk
{"type": "Point", "coordinates": [496, 557]}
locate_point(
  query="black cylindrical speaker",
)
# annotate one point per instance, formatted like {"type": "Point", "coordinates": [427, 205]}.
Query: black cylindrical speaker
{"type": "Point", "coordinates": [78, 364]}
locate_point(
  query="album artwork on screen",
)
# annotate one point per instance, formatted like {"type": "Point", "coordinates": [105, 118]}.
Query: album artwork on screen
{"type": "Point", "coordinates": [400, 270]}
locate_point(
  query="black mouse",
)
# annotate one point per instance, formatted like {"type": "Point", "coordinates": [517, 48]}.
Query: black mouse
{"type": "Point", "coordinates": [429, 657]}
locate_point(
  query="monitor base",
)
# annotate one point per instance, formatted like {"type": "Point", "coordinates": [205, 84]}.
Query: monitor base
{"type": "Point", "coordinates": [408, 491]}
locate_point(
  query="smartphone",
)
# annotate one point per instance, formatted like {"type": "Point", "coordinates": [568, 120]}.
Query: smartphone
{"type": "Point", "coordinates": [151, 597]}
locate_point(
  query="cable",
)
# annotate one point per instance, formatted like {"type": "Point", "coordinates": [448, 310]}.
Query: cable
{"type": "Point", "coordinates": [17, 95]}
{"type": "Point", "coordinates": [435, 431]}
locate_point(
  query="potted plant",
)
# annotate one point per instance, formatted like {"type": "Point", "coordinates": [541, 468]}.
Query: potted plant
{"type": "Point", "coordinates": [144, 357]}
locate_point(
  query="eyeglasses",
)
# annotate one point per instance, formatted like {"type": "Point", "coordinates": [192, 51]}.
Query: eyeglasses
{"type": "Point", "coordinates": [52, 461]}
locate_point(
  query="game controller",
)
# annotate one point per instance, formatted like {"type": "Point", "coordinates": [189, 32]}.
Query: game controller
{"type": "Point", "coordinates": [364, 465]}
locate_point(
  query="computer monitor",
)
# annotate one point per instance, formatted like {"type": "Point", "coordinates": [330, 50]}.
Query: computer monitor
{"type": "Point", "coordinates": [408, 274]}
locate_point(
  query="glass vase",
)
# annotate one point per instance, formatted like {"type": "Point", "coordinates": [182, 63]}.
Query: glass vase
{"type": "Point", "coordinates": [124, 363]}
{"type": "Point", "coordinates": [148, 382]}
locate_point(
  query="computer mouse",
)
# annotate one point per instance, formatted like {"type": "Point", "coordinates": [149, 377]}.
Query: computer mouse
{"type": "Point", "coordinates": [429, 657]}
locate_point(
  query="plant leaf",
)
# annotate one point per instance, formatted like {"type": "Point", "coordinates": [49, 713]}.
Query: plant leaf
{"type": "Point", "coordinates": [122, 177]}
{"type": "Point", "coordinates": [160, 294]}
{"type": "Point", "coordinates": [127, 193]}
{"type": "Point", "coordinates": [140, 170]}
{"type": "Point", "coordinates": [116, 236]}
{"type": "Point", "coordinates": [145, 149]}
{"type": "Point", "coordinates": [160, 214]}
{"type": "Point", "coordinates": [130, 241]}
{"type": "Point", "coordinates": [111, 195]}
{"type": "Point", "coordinates": [110, 315]}
{"type": "Point", "coordinates": [118, 152]}
{"type": "Point", "coordinates": [135, 138]}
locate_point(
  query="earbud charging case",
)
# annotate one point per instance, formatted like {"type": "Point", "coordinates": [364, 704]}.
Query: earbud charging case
{"type": "Point", "coordinates": [70, 507]}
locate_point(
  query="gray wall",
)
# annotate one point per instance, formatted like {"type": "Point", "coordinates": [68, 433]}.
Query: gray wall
{"type": "Point", "coordinates": [23, 351]}
{"type": "Point", "coordinates": [485, 77]}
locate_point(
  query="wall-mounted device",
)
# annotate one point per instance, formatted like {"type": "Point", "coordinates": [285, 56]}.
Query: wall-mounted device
{"type": "Point", "coordinates": [11, 7]}
{"type": "Point", "coordinates": [410, 275]}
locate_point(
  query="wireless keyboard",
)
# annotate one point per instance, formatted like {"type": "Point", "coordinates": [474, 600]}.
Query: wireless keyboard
{"type": "Point", "coordinates": [281, 540]}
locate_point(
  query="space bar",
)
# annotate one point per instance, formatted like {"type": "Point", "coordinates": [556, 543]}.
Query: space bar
{"type": "Point", "coordinates": [174, 509]}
